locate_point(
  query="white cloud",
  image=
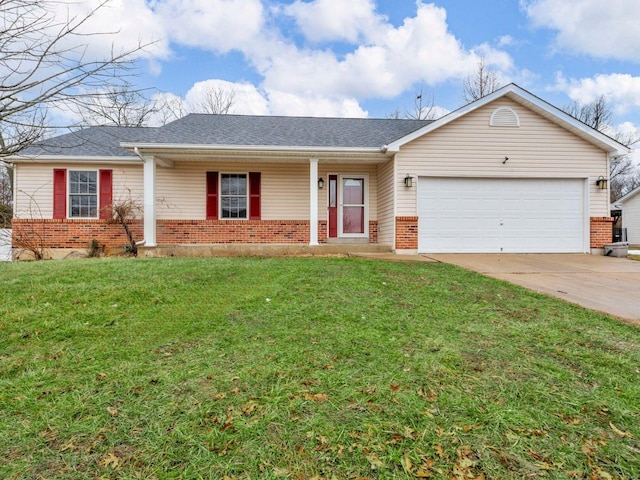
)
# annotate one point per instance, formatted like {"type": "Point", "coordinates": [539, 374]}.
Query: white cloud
{"type": "Point", "coordinates": [118, 25]}
{"type": "Point", "coordinates": [420, 50]}
{"type": "Point", "coordinates": [606, 29]}
{"type": "Point", "coordinates": [283, 103]}
{"type": "Point", "coordinates": [216, 25]}
{"type": "Point", "coordinates": [326, 20]}
{"type": "Point", "coordinates": [621, 90]}
{"type": "Point", "coordinates": [246, 99]}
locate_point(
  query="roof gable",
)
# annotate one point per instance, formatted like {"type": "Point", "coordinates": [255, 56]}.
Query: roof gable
{"type": "Point", "coordinates": [530, 101]}
{"type": "Point", "coordinates": [628, 196]}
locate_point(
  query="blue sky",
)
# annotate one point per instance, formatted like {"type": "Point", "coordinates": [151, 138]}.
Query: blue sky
{"type": "Point", "coordinates": [370, 57]}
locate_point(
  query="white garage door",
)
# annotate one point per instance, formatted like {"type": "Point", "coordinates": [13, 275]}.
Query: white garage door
{"type": "Point", "coordinates": [487, 215]}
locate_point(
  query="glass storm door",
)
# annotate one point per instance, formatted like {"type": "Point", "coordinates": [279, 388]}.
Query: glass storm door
{"type": "Point", "coordinates": [352, 207]}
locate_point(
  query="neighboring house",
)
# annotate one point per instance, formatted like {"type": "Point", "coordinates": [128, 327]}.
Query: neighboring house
{"type": "Point", "coordinates": [507, 173]}
{"type": "Point", "coordinates": [5, 245]}
{"type": "Point", "coordinates": [630, 207]}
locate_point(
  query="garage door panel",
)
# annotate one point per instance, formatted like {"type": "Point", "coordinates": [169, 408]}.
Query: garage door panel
{"type": "Point", "coordinates": [501, 215]}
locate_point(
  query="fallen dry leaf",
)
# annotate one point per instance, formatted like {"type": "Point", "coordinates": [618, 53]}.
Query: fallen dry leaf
{"type": "Point", "coordinates": [406, 464]}
{"type": "Point", "coordinates": [113, 411]}
{"type": "Point", "coordinates": [439, 450]}
{"type": "Point", "coordinates": [110, 460]}
{"type": "Point", "coordinates": [316, 397]}
{"type": "Point", "coordinates": [618, 432]}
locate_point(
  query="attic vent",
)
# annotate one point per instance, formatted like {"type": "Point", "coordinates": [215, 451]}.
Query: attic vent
{"type": "Point", "coordinates": [504, 117]}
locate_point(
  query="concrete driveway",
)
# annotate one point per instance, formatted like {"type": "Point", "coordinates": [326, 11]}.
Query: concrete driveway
{"type": "Point", "coordinates": [606, 284]}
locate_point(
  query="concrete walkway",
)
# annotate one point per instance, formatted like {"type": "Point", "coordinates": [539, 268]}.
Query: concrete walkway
{"type": "Point", "coordinates": [609, 285]}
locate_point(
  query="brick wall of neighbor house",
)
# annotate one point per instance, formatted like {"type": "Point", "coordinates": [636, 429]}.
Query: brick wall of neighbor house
{"type": "Point", "coordinates": [406, 233]}
{"type": "Point", "coordinates": [601, 231]}
{"type": "Point", "coordinates": [75, 233]}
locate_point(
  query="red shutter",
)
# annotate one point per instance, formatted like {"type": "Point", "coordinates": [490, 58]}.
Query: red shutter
{"type": "Point", "coordinates": [254, 195]}
{"type": "Point", "coordinates": [212, 195]}
{"type": "Point", "coordinates": [106, 194]}
{"type": "Point", "coordinates": [59, 193]}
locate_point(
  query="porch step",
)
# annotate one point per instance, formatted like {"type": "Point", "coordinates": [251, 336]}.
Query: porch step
{"type": "Point", "coordinates": [249, 250]}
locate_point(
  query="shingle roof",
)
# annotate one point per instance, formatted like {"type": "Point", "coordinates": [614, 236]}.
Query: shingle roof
{"type": "Point", "coordinates": [247, 130]}
{"type": "Point", "coordinates": [90, 142]}
{"type": "Point", "coordinates": [233, 130]}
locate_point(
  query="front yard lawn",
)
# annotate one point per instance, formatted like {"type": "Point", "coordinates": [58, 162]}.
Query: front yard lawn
{"type": "Point", "coordinates": [306, 368]}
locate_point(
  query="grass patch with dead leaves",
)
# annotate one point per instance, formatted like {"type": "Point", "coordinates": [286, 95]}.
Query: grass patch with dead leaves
{"type": "Point", "coordinates": [306, 368]}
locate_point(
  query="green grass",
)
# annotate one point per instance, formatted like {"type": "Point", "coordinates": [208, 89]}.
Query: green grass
{"type": "Point", "coordinates": [306, 368]}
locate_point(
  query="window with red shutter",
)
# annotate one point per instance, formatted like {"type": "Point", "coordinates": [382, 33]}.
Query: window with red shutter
{"type": "Point", "coordinates": [106, 194]}
{"type": "Point", "coordinates": [254, 195]}
{"type": "Point", "coordinates": [59, 193]}
{"type": "Point", "coordinates": [212, 195]}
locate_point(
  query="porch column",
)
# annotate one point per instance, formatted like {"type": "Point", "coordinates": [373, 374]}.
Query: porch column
{"type": "Point", "coordinates": [150, 201]}
{"type": "Point", "coordinates": [313, 201]}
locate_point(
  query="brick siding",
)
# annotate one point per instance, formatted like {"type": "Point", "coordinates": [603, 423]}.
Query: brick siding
{"type": "Point", "coordinates": [601, 231]}
{"type": "Point", "coordinates": [176, 232]}
{"type": "Point", "coordinates": [65, 233]}
{"type": "Point", "coordinates": [73, 233]}
{"type": "Point", "coordinates": [406, 233]}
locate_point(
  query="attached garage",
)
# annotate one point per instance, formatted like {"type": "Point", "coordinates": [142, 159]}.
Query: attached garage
{"type": "Point", "coordinates": [502, 215]}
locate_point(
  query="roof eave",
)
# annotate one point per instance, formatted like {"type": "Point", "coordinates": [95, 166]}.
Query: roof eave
{"type": "Point", "coordinates": [71, 158]}
{"type": "Point", "coordinates": [208, 149]}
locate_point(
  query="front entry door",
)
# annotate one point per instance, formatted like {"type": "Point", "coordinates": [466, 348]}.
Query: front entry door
{"type": "Point", "coordinates": [352, 215]}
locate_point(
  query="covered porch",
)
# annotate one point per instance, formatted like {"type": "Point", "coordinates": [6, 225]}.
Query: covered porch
{"type": "Point", "coordinates": [216, 197]}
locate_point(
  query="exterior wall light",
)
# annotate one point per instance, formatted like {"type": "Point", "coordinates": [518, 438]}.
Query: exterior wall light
{"type": "Point", "coordinates": [408, 181]}
{"type": "Point", "coordinates": [320, 183]}
{"type": "Point", "coordinates": [601, 183]}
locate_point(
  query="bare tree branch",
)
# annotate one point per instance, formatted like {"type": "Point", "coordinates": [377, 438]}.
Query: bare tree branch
{"type": "Point", "coordinates": [44, 60]}
{"type": "Point", "coordinates": [124, 107]}
{"type": "Point", "coordinates": [623, 172]}
{"type": "Point", "coordinates": [481, 83]}
{"type": "Point", "coordinates": [216, 100]}
{"type": "Point", "coordinates": [423, 108]}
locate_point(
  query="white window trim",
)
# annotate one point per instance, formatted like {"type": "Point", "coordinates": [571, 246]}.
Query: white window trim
{"type": "Point", "coordinates": [97, 194]}
{"type": "Point", "coordinates": [220, 196]}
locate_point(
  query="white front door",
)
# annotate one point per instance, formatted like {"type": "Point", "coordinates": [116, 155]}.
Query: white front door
{"type": "Point", "coordinates": [353, 212]}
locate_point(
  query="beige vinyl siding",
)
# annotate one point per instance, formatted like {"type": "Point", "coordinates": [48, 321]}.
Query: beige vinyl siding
{"type": "Point", "coordinates": [34, 186]}
{"type": "Point", "coordinates": [181, 190]}
{"type": "Point", "coordinates": [469, 147]}
{"type": "Point", "coordinates": [386, 217]}
{"type": "Point", "coordinates": [631, 219]}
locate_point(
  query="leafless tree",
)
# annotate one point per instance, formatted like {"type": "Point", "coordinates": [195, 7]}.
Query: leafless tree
{"type": "Point", "coordinates": [44, 60]}
{"type": "Point", "coordinates": [423, 107]}
{"type": "Point", "coordinates": [6, 197]}
{"type": "Point", "coordinates": [480, 83]}
{"type": "Point", "coordinates": [123, 211]}
{"type": "Point", "coordinates": [169, 108]}
{"type": "Point", "coordinates": [623, 173]}
{"type": "Point", "coordinates": [124, 107]}
{"type": "Point", "coordinates": [28, 237]}
{"type": "Point", "coordinates": [216, 100]}
{"type": "Point", "coordinates": [596, 114]}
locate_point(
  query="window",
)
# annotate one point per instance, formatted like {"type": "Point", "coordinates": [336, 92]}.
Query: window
{"type": "Point", "coordinates": [233, 195]}
{"type": "Point", "coordinates": [83, 194]}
